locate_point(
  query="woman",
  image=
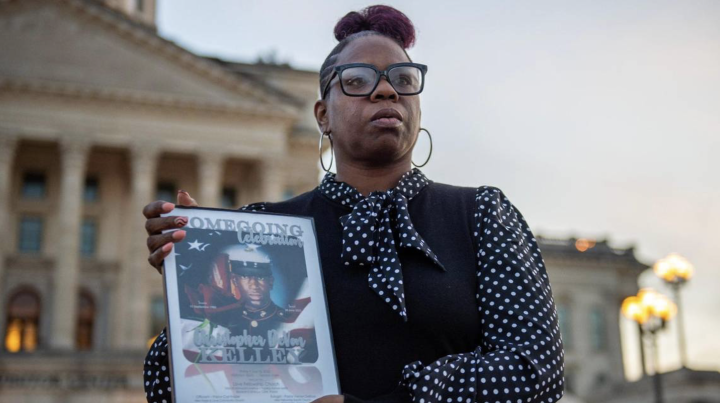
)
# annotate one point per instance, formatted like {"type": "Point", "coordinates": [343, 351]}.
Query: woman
{"type": "Point", "coordinates": [436, 293]}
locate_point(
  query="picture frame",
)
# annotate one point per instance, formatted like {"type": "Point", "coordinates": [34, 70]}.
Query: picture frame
{"type": "Point", "coordinates": [247, 311]}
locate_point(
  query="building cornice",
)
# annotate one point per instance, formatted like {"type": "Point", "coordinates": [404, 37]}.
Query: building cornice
{"type": "Point", "coordinates": [136, 98]}
{"type": "Point", "coordinates": [137, 33]}
{"type": "Point", "coordinates": [564, 252]}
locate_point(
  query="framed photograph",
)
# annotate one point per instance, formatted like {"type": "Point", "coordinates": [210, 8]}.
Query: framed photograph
{"type": "Point", "coordinates": [246, 307]}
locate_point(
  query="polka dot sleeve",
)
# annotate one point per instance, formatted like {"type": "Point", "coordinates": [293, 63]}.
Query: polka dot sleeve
{"type": "Point", "coordinates": [156, 371]}
{"type": "Point", "coordinates": [520, 356]}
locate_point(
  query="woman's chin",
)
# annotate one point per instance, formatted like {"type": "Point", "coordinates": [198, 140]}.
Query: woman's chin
{"type": "Point", "coordinates": [388, 136]}
{"type": "Point", "coordinates": [386, 141]}
{"type": "Point", "coordinates": [382, 132]}
{"type": "Point", "coordinates": [384, 152]}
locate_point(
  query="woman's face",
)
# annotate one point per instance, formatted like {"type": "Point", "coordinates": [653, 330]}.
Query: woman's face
{"type": "Point", "coordinates": [359, 137]}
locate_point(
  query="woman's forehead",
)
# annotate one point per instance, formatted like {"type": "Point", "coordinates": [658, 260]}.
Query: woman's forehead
{"type": "Point", "coordinates": [374, 49]}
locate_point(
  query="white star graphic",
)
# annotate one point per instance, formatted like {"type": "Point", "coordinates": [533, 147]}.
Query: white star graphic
{"type": "Point", "coordinates": [195, 245]}
{"type": "Point", "coordinates": [184, 268]}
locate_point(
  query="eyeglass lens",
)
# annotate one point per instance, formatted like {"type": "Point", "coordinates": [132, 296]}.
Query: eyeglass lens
{"type": "Point", "coordinates": [361, 80]}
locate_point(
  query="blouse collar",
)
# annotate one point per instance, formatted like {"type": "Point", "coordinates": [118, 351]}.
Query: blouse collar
{"type": "Point", "coordinates": [374, 230]}
{"type": "Point", "coordinates": [410, 184]}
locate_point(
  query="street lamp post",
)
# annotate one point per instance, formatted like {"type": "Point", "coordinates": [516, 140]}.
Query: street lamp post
{"type": "Point", "coordinates": [642, 349]}
{"type": "Point", "coordinates": [676, 271]}
{"type": "Point", "coordinates": [651, 310]}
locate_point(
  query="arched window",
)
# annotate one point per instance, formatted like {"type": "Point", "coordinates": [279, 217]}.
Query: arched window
{"type": "Point", "coordinates": [85, 321]}
{"type": "Point", "coordinates": [23, 318]}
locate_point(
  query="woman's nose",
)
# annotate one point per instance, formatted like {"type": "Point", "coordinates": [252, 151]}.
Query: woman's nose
{"type": "Point", "coordinates": [384, 91]}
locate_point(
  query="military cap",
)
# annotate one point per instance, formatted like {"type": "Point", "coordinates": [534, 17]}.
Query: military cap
{"type": "Point", "coordinates": [250, 269]}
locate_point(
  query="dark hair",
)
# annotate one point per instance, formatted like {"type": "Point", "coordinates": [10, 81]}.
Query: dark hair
{"type": "Point", "coordinates": [374, 20]}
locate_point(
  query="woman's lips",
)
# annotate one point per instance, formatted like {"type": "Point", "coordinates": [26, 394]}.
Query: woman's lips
{"type": "Point", "coordinates": [387, 122]}
{"type": "Point", "coordinates": [387, 117]}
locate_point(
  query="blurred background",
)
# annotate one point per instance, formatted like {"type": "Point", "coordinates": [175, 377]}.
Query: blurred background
{"type": "Point", "coordinates": [599, 120]}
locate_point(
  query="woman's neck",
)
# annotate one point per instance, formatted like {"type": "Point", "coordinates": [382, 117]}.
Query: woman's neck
{"type": "Point", "coordinates": [369, 179]}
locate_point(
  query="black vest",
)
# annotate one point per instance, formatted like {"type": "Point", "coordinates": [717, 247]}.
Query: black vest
{"type": "Point", "coordinates": [443, 317]}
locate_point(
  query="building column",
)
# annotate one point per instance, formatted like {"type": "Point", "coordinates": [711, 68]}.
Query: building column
{"type": "Point", "coordinates": [272, 181]}
{"type": "Point", "coordinates": [8, 146]}
{"type": "Point", "coordinates": [210, 174]}
{"type": "Point", "coordinates": [65, 294]}
{"type": "Point", "coordinates": [131, 300]}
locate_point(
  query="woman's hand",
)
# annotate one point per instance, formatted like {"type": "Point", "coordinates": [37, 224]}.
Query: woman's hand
{"type": "Point", "coordinates": [158, 243]}
{"type": "Point", "coordinates": [330, 399]}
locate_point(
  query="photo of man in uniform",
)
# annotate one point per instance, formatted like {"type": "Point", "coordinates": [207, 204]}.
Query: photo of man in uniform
{"type": "Point", "coordinates": [237, 293]}
{"type": "Point", "coordinates": [253, 282]}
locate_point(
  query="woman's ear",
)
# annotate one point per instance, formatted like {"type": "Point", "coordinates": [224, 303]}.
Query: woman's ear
{"type": "Point", "coordinates": [321, 116]}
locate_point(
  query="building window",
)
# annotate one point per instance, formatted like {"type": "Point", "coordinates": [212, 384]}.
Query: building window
{"type": "Point", "coordinates": [157, 315]}
{"type": "Point", "coordinates": [564, 321]}
{"type": "Point", "coordinates": [88, 237]}
{"type": "Point", "coordinates": [166, 191]}
{"type": "Point", "coordinates": [598, 338]}
{"type": "Point", "coordinates": [34, 186]}
{"type": "Point", "coordinates": [85, 321]}
{"type": "Point", "coordinates": [31, 234]}
{"type": "Point", "coordinates": [229, 198]}
{"type": "Point", "coordinates": [92, 190]}
{"type": "Point", "coordinates": [21, 326]}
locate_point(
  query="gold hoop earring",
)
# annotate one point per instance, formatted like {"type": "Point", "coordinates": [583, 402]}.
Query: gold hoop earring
{"type": "Point", "coordinates": [431, 148]}
{"type": "Point", "coordinates": [332, 151]}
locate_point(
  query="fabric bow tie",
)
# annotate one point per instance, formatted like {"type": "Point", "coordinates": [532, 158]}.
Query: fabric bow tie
{"type": "Point", "coordinates": [375, 228]}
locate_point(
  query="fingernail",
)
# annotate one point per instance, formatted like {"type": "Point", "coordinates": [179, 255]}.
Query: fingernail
{"type": "Point", "coordinates": [181, 221]}
{"type": "Point", "coordinates": [167, 207]}
{"type": "Point", "coordinates": [182, 191]}
{"type": "Point", "coordinates": [167, 247]}
{"type": "Point", "coordinates": [177, 235]}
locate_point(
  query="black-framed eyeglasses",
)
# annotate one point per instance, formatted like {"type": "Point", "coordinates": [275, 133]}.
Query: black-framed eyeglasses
{"type": "Point", "coordinates": [361, 79]}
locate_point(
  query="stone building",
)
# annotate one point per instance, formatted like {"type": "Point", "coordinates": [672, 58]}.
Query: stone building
{"type": "Point", "coordinates": [98, 116]}
{"type": "Point", "coordinates": [683, 385]}
{"type": "Point", "coordinates": [590, 280]}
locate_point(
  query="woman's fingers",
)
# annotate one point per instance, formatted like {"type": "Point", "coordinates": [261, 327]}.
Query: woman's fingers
{"type": "Point", "coordinates": [154, 226]}
{"type": "Point", "coordinates": [184, 199]}
{"type": "Point", "coordinates": [156, 258]}
{"type": "Point", "coordinates": [154, 209]}
{"type": "Point", "coordinates": [160, 244]}
{"type": "Point", "coordinates": [156, 241]}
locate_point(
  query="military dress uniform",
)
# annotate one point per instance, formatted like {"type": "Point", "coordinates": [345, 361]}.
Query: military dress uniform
{"type": "Point", "coordinates": [257, 321]}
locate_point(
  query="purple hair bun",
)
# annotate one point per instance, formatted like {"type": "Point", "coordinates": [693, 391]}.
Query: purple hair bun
{"type": "Point", "coordinates": [383, 19]}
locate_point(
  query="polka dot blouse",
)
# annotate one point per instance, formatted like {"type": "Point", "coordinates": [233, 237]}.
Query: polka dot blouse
{"type": "Point", "coordinates": [518, 355]}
